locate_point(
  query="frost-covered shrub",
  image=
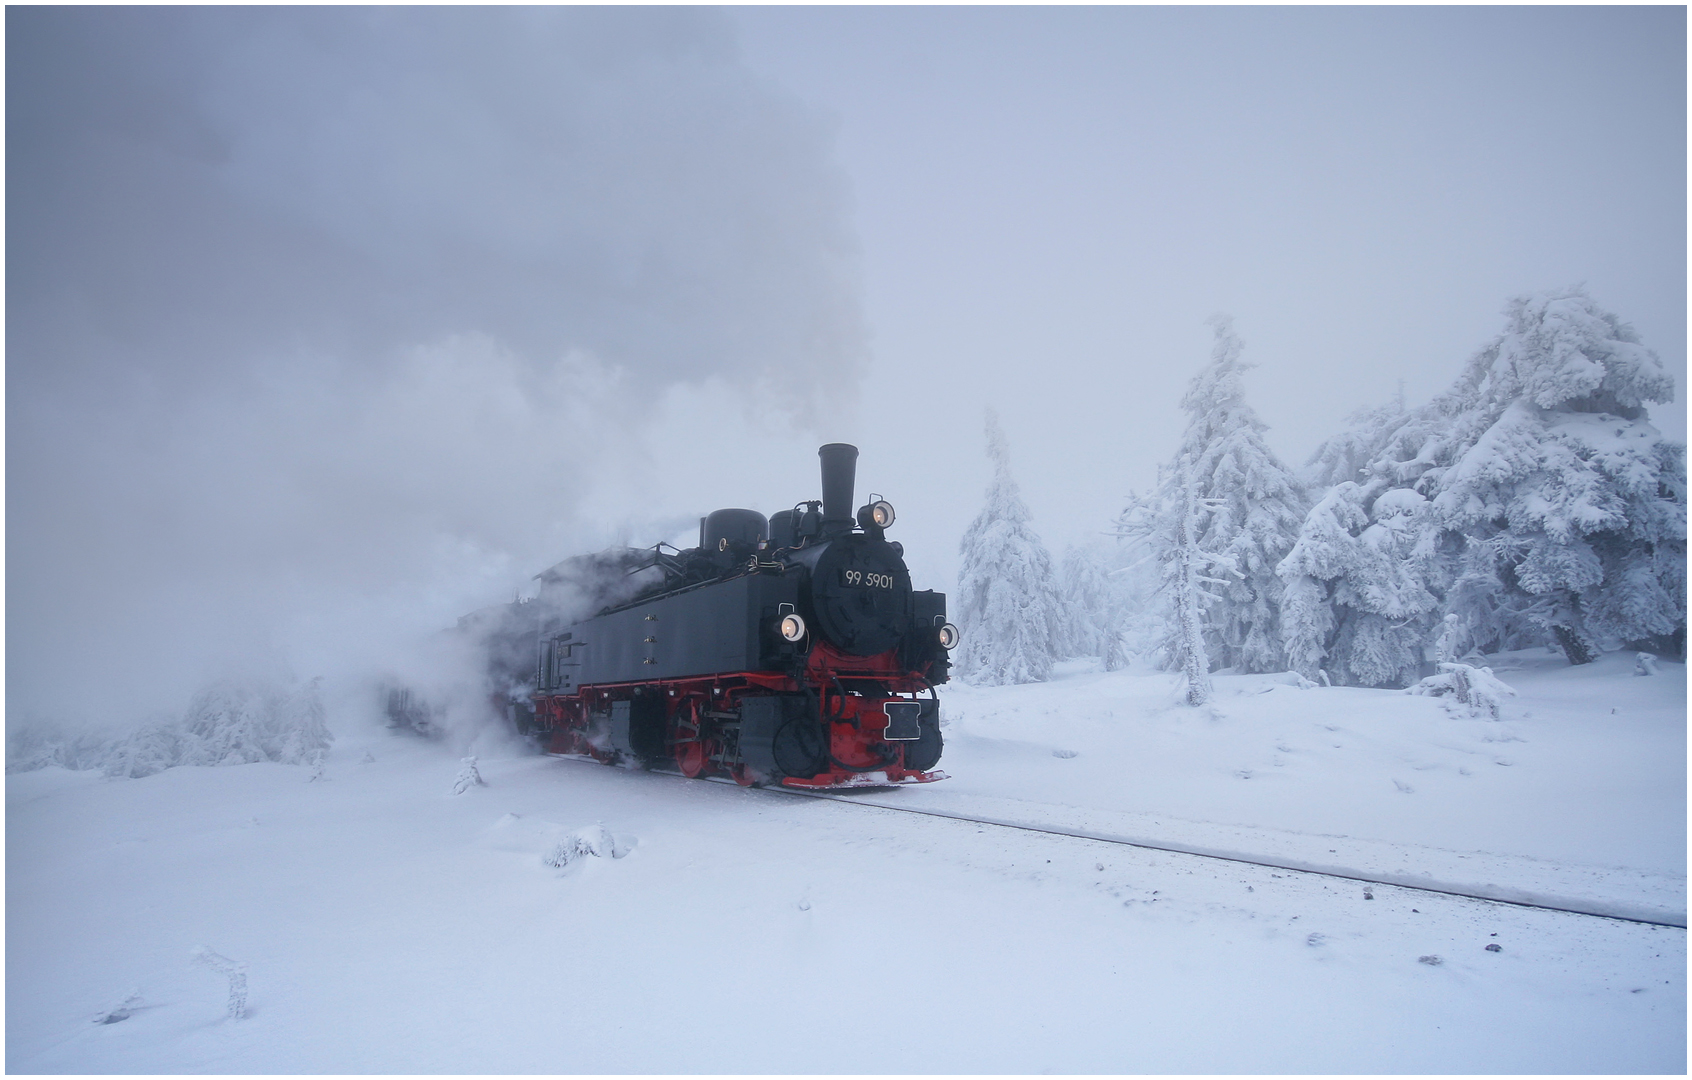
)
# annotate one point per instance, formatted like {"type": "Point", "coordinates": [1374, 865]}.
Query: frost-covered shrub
{"type": "Point", "coordinates": [590, 840]}
{"type": "Point", "coordinates": [227, 723]}
{"type": "Point", "coordinates": [1476, 687]}
{"type": "Point", "coordinates": [468, 777]}
{"type": "Point", "coordinates": [36, 746]}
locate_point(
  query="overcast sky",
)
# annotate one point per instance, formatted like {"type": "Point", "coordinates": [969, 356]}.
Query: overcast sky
{"type": "Point", "coordinates": [326, 325]}
{"type": "Point", "coordinates": [1051, 202]}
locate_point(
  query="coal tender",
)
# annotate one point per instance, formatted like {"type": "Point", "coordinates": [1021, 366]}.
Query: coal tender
{"type": "Point", "coordinates": [787, 651]}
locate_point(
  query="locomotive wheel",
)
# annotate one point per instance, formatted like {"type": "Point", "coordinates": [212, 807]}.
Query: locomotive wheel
{"type": "Point", "coordinates": [743, 776]}
{"type": "Point", "coordinates": [693, 751]}
{"type": "Point", "coordinates": [692, 758]}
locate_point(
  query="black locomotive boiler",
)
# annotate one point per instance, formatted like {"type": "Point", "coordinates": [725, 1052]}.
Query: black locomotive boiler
{"type": "Point", "coordinates": [790, 650]}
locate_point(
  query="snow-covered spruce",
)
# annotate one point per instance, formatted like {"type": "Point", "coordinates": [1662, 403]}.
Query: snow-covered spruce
{"type": "Point", "coordinates": [1533, 499]}
{"type": "Point", "coordinates": [1571, 505]}
{"type": "Point", "coordinates": [1008, 607]}
{"type": "Point", "coordinates": [1107, 600]}
{"type": "Point", "coordinates": [1088, 615]}
{"type": "Point", "coordinates": [1253, 508]}
{"type": "Point", "coordinates": [1224, 514]}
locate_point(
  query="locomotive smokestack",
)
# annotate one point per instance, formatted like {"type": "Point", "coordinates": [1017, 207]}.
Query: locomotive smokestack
{"type": "Point", "coordinates": [839, 476]}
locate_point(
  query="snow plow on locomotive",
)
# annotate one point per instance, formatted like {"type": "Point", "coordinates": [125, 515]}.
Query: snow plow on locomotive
{"type": "Point", "coordinates": [788, 651]}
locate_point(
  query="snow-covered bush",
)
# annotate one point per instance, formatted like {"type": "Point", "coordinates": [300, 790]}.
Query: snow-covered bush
{"type": "Point", "coordinates": [1476, 687]}
{"type": "Point", "coordinates": [1008, 608]}
{"type": "Point", "coordinates": [468, 777]}
{"type": "Point", "coordinates": [590, 840]}
{"type": "Point", "coordinates": [226, 723]}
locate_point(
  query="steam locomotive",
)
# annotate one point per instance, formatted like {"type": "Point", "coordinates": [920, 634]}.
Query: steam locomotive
{"type": "Point", "coordinates": [787, 651]}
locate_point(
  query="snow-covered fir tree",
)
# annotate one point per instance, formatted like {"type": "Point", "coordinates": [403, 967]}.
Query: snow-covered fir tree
{"type": "Point", "coordinates": [1345, 456]}
{"type": "Point", "coordinates": [1101, 595]}
{"type": "Point", "coordinates": [1533, 499]}
{"type": "Point", "coordinates": [1185, 578]}
{"type": "Point", "coordinates": [1169, 524]}
{"type": "Point", "coordinates": [1253, 506]}
{"type": "Point", "coordinates": [1363, 590]}
{"type": "Point", "coordinates": [1570, 504]}
{"type": "Point", "coordinates": [1088, 615]}
{"type": "Point", "coordinates": [1008, 608]}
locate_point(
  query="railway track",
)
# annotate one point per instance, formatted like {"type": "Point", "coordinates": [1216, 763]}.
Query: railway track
{"type": "Point", "coordinates": [1490, 894]}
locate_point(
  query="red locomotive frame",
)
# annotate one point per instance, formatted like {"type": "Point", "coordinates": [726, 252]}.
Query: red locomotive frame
{"type": "Point", "coordinates": [695, 708]}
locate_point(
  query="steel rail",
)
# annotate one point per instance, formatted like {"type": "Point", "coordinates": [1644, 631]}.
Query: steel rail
{"type": "Point", "coordinates": [1593, 910]}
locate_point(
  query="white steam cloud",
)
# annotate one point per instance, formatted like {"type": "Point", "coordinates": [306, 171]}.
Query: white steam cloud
{"type": "Point", "coordinates": [328, 325]}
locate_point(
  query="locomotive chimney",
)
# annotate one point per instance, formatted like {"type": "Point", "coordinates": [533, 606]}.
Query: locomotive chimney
{"type": "Point", "coordinates": [839, 476]}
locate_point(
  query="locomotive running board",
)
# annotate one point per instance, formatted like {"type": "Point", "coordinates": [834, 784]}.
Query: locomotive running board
{"type": "Point", "coordinates": [877, 779]}
{"type": "Point", "coordinates": [862, 780]}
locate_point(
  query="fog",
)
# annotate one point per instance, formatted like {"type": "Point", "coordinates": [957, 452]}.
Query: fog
{"type": "Point", "coordinates": [1053, 201]}
{"type": "Point", "coordinates": [326, 326]}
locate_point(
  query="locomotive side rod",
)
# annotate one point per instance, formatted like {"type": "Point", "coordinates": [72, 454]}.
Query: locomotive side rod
{"type": "Point", "coordinates": [1498, 896]}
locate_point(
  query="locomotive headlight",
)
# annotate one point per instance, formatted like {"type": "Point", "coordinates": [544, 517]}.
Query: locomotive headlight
{"type": "Point", "coordinates": [948, 637]}
{"type": "Point", "coordinates": [792, 627]}
{"type": "Point", "coordinates": [882, 513]}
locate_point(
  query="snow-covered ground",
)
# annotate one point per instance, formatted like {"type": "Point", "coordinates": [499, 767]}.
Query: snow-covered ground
{"type": "Point", "coordinates": [389, 925]}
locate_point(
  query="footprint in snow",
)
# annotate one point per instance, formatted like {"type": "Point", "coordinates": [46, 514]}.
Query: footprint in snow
{"type": "Point", "coordinates": [1403, 787]}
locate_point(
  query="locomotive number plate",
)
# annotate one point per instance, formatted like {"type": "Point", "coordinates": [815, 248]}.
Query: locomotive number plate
{"type": "Point", "coordinates": [866, 579]}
